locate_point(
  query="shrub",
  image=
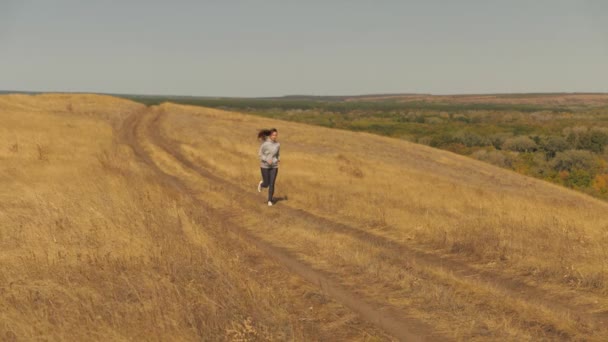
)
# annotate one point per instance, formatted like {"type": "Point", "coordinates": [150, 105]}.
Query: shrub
{"type": "Point", "coordinates": [498, 139]}
{"type": "Point", "coordinates": [442, 140]}
{"type": "Point", "coordinates": [470, 139]}
{"type": "Point", "coordinates": [433, 120]}
{"type": "Point", "coordinates": [525, 163]}
{"type": "Point", "coordinates": [574, 159]}
{"type": "Point", "coordinates": [593, 141]}
{"type": "Point", "coordinates": [600, 183]}
{"type": "Point", "coordinates": [520, 144]}
{"type": "Point", "coordinates": [582, 138]}
{"type": "Point", "coordinates": [553, 144]}
{"type": "Point", "coordinates": [579, 178]}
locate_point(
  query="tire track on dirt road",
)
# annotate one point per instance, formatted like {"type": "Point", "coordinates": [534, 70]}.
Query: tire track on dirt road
{"type": "Point", "coordinates": [394, 323]}
{"type": "Point", "coordinates": [504, 284]}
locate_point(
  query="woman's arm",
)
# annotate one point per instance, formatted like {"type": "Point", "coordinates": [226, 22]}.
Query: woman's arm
{"type": "Point", "coordinates": [260, 152]}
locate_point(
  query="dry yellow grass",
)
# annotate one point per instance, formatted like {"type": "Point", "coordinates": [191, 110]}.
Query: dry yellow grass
{"type": "Point", "coordinates": [120, 221]}
{"type": "Point", "coordinates": [94, 246]}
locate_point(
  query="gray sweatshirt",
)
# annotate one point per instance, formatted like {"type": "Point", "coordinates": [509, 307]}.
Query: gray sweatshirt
{"type": "Point", "coordinates": [269, 150]}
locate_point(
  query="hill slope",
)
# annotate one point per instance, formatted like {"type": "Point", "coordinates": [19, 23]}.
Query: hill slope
{"type": "Point", "coordinates": [123, 221]}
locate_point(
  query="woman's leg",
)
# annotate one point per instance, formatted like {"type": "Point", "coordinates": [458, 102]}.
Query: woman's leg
{"type": "Point", "coordinates": [265, 177]}
{"type": "Point", "coordinates": [273, 176]}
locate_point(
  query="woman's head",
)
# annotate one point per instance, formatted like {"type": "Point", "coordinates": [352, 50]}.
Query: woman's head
{"type": "Point", "coordinates": [271, 134]}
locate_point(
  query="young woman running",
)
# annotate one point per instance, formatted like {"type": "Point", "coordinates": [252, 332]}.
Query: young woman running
{"type": "Point", "coordinates": [269, 160]}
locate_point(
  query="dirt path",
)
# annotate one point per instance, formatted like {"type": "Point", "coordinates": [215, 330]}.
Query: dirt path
{"type": "Point", "coordinates": [142, 126]}
{"type": "Point", "coordinates": [499, 283]}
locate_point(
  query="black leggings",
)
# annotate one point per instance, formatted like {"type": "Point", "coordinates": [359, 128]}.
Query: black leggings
{"type": "Point", "coordinates": [269, 176]}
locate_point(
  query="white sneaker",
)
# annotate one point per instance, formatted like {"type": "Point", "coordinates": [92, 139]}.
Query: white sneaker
{"type": "Point", "coordinates": [270, 203]}
{"type": "Point", "coordinates": [260, 186]}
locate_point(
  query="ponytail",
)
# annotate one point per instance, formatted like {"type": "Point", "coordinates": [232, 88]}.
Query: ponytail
{"type": "Point", "coordinates": [265, 133]}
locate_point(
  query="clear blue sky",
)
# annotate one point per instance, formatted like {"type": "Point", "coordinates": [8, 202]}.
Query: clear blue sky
{"type": "Point", "coordinates": [265, 48]}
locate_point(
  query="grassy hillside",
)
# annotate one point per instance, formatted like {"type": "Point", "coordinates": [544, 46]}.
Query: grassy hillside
{"type": "Point", "coordinates": [95, 246]}
{"type": "Point", "coordinates": [120, 221]}
{"type": "Point", "coordinates": [560, 138]}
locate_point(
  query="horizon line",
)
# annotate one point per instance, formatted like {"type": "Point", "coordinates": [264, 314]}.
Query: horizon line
{"type": "Point", "coordinates": [2, 92]}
